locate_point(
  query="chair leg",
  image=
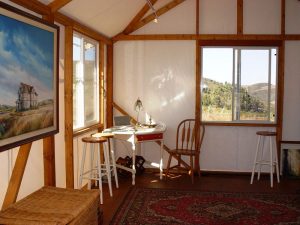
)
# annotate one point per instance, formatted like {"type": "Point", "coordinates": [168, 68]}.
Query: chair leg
{"type": "Point", "coordinates": [271, 161]}
{"type": "Point", "coordinates": [113, 162]}
{"type": "Point", "coordinates": [91, 166]}
{"type": "Point", "coordinates": [261, 148]}
{"type": "Point", "coordinates": [107, 167]}
{"type": "Point", "coordinates": [99, 173]}
{"type": "Point", "coordinates": [255, 160]}
{"type": "Point", "coordinates": [276, 159]}
{"type": "Point", "coordinates": [199, 172]}
{"type": "Point", "coordinates": [168, 166]}
{"type": "Point", "coordinates": [192, 168]}
{"type": "Point", "coordinates": [82, 165]}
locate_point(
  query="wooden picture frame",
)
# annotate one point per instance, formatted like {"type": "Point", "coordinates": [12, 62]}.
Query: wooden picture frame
{"type": "Point", "coordinates": [28, 78]}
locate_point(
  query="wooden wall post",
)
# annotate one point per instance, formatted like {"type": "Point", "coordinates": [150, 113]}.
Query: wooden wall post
{"type": "Point", "coordinates": [198, 95]}
{"type": "Point", "coordinates": [49, 161]}
{"type": "Point", "coordinates": [109, 86]}
{"type": "Point", "coordinates": [197, 16]}
{"type": "Point", "coordinates": [198, 83]}
{"type": "Point", "coordinates": [16, 176]}
{"type": "Point", "coordinates": [101, 82]}
{"type": "Point", "coordinates": [49, 143]}
{"type": "Point", "coordinates": [280, 82]}
{"type": "Point", "coordinates": [69, 107]}
{"type": "Point", "coordinates": [240, 17]}
{"type": "Point", "coordinates": [282, 17]}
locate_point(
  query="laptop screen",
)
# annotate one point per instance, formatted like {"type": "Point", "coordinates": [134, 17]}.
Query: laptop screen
{"type": "Point", "coordinates": [122, 120]}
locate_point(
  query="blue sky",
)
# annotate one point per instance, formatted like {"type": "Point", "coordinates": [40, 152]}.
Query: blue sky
{"type": "Point", "coordinates": [218, 65]}
{"type": "Point", "coordinates": [25, 56]}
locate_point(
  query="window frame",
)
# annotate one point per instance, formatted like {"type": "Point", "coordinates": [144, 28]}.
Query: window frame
{"type": "Point", "coordinates": [278, 44]}
{"type": "Point", "coordinates": [95, 124]}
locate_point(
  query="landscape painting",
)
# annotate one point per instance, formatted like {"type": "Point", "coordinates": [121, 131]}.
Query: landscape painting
{"type": "Point", "coordinates": [28, 78]}
{"type": "Point", "coordinates": [291, 163]}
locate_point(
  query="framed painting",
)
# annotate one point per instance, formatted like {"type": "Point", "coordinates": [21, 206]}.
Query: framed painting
{"type": "Point", "coordinates": [291, 162]}
{"type": "Point", "coordinates": [28, 78]}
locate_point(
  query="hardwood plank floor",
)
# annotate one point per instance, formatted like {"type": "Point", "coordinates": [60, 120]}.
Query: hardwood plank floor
{"type": "Point", "coordinates": [206, 182]}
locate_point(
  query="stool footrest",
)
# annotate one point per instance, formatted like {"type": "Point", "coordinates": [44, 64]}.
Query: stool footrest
{"type": "Point", "coordinates": [265, 163]}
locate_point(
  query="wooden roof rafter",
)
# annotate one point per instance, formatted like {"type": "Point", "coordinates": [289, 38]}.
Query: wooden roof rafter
{"type": "Point", "coordinates": [138, 17]}
{"type": "Point", "coordinates": [138, 22]}
{"type": "Point", "coordinates": [58, 4]}
{"type": "Point", "coordinates": [159, 12]}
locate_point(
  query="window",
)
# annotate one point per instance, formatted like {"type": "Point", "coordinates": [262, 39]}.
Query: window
{"type": "Point", "coordinates": [85, 82]}
{"type": "Point", "coordinates": [239, 84]}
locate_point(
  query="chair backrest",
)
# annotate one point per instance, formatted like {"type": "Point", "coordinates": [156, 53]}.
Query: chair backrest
{"type": "Point", "coordinates": [189, 135]}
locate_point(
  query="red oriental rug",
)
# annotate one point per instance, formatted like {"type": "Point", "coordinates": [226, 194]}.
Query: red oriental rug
{"type": "Point", "coordinates": [181, 207]}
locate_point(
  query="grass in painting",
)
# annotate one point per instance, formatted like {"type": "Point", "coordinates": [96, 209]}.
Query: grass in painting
{"type": "Point", "coordinates": [16, 123]}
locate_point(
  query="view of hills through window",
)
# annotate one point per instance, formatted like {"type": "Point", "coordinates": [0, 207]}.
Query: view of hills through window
{"type": "Point", "coordinates": [239, 84]}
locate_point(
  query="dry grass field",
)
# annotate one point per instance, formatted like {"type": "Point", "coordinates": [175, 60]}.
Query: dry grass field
{"type": "Point", "coordinates": [17, 123]}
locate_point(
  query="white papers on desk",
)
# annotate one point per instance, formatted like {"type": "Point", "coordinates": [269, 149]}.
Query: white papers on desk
{"type": "Point", "coordinates": [119, 129]}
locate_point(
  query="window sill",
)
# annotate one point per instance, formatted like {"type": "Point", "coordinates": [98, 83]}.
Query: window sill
{"type": "Point", "coordinates": [240, 124]}
{"type": "Point", "coordinates": [84, 130]}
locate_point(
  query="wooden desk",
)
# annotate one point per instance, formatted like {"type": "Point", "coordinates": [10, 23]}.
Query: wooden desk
{"type": "Point", "coordinates": [138, 135]}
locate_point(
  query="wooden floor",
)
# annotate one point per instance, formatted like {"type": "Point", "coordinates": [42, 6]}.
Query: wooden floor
{"type": "Point", "coordinates": [207, 182]}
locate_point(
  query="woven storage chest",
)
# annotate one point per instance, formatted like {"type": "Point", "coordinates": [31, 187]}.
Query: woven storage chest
{"type": "Point", "coordinates": [55, 206]}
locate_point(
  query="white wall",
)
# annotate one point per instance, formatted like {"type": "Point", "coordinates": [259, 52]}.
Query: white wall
{"type": "Point", "coordinates": [217, 17]}
{"type": "Point", "coordinates": [262, 16]}
{"type": "Point", "coordinates": [162, 74]}
{"type": "Point", "coordinates": [138, 63]}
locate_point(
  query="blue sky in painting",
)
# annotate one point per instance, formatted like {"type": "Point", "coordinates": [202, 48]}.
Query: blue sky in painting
{"type": "Point", "coordinates": [26, 55]}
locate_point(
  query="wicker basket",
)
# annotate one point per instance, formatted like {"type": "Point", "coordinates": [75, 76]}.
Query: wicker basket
{"type": "Point", "coordinates": [55, 206]}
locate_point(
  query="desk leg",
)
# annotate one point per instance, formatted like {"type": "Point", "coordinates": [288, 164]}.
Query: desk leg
{"type": "Point", "coordinates": [161, 159]}
{"type": "Point", "coordinates": [133, 162]}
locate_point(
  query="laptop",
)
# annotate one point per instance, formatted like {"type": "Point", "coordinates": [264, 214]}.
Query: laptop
{"type": "Point", "coordinates": [122, 120]}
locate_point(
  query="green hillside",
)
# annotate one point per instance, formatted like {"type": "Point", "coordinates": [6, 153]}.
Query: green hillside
{"type": "Point", "coordinates": [253, 97]}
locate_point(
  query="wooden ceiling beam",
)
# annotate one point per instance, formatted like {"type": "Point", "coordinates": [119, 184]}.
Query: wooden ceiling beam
{"type": "Point", "coordinates": [34, 6]}
{"type": "Point", "coordinates": [58, 4]}
{"type": "Point", "coordinates": [253, 37]}
{"type": "Point", "coordinates": [138, 17]}
{"type": "Point", "coordinates": [292, 37]}
{"type": "Point", "coordinates": [159, 12]}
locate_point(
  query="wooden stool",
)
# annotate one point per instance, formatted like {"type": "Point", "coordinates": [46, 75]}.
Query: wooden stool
{"type": "Point", "coordinates": [98, 143]}
{"type": "Point", "coordinates": [262, 135]}
{"type": "Point", "coordinates": [112, 158]}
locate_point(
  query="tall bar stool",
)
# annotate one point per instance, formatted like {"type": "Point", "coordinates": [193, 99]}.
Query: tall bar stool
{"type": "Point", "coordinates": [273, 162]}
{"type": "Point", "coordinates": [95, 173]}
{"type": "Point", "coordinates": [111, 153]}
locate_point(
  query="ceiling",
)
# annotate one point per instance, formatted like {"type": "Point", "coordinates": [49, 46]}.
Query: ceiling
{"type": "Point", "coordinates": [108, 17]}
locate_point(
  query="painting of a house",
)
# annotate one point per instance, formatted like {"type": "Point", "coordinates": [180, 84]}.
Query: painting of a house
{"type": "Point", "coordinates": [27, 98]}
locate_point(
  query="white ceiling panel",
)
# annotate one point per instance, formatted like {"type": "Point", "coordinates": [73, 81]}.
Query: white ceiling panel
{"type": "Point", "coordinates": [108, 17]}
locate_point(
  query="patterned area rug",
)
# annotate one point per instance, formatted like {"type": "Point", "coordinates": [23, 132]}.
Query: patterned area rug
{"type": "Point", "coordinates": [180, 207]}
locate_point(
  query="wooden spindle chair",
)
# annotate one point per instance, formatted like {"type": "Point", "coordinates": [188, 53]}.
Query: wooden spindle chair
{"type": "Point", "coordinates": [188, 143]}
